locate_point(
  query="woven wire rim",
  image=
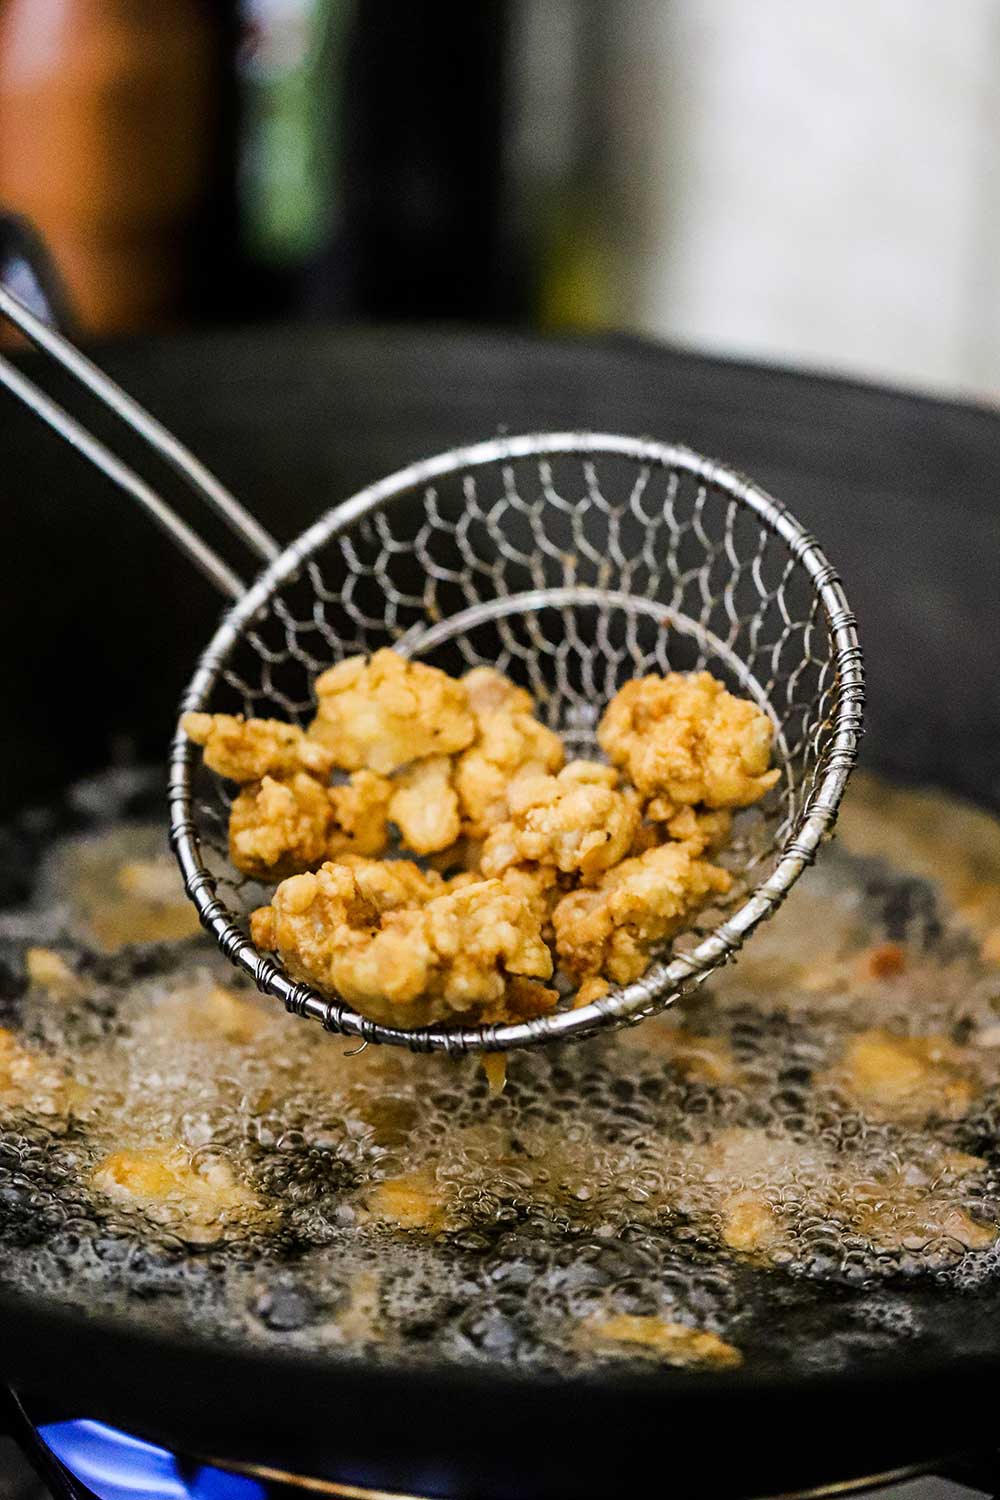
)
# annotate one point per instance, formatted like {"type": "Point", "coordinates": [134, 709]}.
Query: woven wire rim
{"type": "Point", "coordinates": [663, 982]}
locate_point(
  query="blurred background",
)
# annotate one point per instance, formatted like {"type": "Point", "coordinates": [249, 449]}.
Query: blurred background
{"type": "Point", "coordinates": [808, 184]}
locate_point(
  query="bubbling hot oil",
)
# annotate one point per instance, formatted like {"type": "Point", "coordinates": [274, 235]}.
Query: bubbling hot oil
{"type": "Point", "coordinates": [812, 1137]}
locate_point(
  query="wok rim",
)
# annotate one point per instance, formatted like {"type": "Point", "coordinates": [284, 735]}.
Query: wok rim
{"type": "Point", "coordinates": [218, 1415]}
{"type": "Point", "coordinates": [902, 1360]}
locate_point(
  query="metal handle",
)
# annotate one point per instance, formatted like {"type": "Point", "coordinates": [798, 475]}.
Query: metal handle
{"type": "Point", "coordinates": [152, 432]}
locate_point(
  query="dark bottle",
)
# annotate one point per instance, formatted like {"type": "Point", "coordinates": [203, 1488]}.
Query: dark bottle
{"type": "Point", "coordinates": [371, 150]}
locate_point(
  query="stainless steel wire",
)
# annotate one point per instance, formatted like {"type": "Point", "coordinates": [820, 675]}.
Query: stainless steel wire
{"type": "Point", "coordinates": [162, 442]}
{"type": "Point", "coordinates": [573, 561]}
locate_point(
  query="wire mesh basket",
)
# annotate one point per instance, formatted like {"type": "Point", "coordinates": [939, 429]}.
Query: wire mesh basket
{"type": "Point", "coordinates": [572, 562]}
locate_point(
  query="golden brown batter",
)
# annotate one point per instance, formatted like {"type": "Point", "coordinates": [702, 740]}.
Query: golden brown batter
{"type": "Point", "coordinates": [598, 870]}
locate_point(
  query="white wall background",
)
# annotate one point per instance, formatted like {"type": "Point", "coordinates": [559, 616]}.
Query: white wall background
{"type": "Point", "coordinates": [814, 181]}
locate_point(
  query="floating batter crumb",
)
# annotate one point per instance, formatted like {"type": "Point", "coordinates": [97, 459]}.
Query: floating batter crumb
{"type": "Point", "coordinates": [672, 1343]}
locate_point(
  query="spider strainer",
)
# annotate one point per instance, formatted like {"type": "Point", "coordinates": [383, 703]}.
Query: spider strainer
{"type": "Point", "coordinates": [571, 561]}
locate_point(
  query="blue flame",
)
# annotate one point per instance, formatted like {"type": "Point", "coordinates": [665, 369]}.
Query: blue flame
{"type": "Point", "coordinates": [119, 1467]}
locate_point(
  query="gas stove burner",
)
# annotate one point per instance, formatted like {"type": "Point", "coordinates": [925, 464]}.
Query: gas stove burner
{"type": "Point", "coordinates": [80, 1459]}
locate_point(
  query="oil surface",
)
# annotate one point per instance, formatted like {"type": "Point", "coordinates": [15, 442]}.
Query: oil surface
{"type": "Point", "coordinates": [801, 1164]}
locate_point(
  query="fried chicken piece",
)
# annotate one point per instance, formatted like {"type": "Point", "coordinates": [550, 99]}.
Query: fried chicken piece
{"type": "Point", "coordinates": [751, 1188]}
{"type": "Point", "coordinates": [383, 712]}
{"type": "Point", "coordinates": [424, 806]}
{"type": "Point", "coordinates": [213, 1013]}
{"type": "Point", "coordinates": [685, 738]}
{"type": "Point", "coordinates": [490, 692]}
{"type": "Point", "coordinates": [701, 1059]}
{"type": "Point", "coordinates": [49, 971]}
{"type": "Point", "coordinates": [250, 749]}
{"type": "Point", "coordinates": [906, 1211]}
{"type": "Point", "coordinates": [672, 1343]}
{"type": "Point", "coordinates": [415, 1201]}
{"type": "Point", "coordinates": [576, 821]}
{"type": "Point", "coordinates": [200, 1201]}
{"type": "Point", "coordinates": [906, 1077]}
{"type": "Point", "coordinates": [279, 828]}
{"type": "Point", "coordinates": [612, 929]}
{"type": "Point", "coordinates": [480, 947]}
{"type": "Point", "coordinates": [750, 1225]}
{"type": "Point", "coordinates": [704, 831]}
{"type": "Point", "coordinates": [404, 965]}
{"type": "Point", "coordinates": [510, 745]}
{"type": "Point", "coordinates": [755, 1178]}
{"type": "Point", "coordinates": [34, 1082]}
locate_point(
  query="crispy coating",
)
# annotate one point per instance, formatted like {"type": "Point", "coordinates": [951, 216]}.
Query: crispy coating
{"type": "Point", "coordinates": [250, 749]}
{"type": "Point", "coordinates": [279, 828]}
{"type": "Point", "coordinates": [709, 830]}
{"type": "Point", "coordinates": [390, 884]}
{"type": "Point", "coordinates": [577, 822]}
{"type": "Point", "coordinates": [509, 745]}
{"type": "Point", "coordinates": [590, 990]}
{"type": "Point", "coordinates": [383, 712]}
{"type": "Point", "coordinates": [611, 930]}
{"type": "Point", "coordinates": [404, 965]}
{"type": "Point", "coordinates": [685, 738]}
{"type": "Point", "coordinates": [703, 830]}
{"type": "Point", "coordinates": [523, 1000]}
{"type": "Point", "coordinates": [361, 808]}
{"type": "Point", "coordinates": [424, 806]}
{"type": "Point", "coordinates": [539, 888]}
{"type": "Point", "coordinates": [489, 691]}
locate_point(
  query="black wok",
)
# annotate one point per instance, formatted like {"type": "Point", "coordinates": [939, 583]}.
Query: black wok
{"type": "Point", "coordinates": [102, 622]}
